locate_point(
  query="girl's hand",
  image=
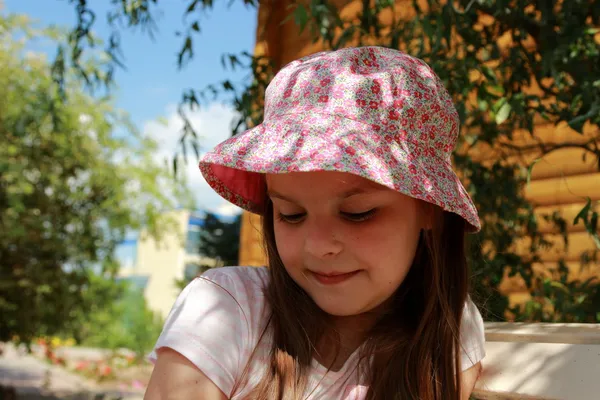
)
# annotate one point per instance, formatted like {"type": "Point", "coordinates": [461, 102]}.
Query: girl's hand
{"type": "Point", "coordinates": [175, 377]}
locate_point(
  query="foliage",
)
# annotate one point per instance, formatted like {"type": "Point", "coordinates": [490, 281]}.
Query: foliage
{"type": "Point", "coordinates": [125, 322]}
{"type": "Point", "coordinates": [220, 241]}
{"type": "Point", "coordinates": [509, 64]}
{"type": "Point", "coordinates": [74, 178]}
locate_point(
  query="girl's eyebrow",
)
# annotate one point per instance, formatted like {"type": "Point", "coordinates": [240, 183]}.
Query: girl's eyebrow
{"type": "Point", "coordinates": [274, 194]}
{"type": "Point", "coordinates": [343, 195]}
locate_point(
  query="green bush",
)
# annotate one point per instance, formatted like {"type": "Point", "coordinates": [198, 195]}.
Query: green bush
{"type": "Point", "coordinates": [126, 322]}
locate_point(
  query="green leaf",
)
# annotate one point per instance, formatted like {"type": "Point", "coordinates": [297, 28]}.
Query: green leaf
{"type": "Point", "coordinates": [301, 17]}
{"type": "Point", "coordinates": [488, 73]}
{"type": "Point", "coordinates": [583, 213]}
{"type": "Point", "coordinates": [503, 113]}
{"type": "Point", "coordinates": [192, 6]}
{"type": "Point", "coordinates": [577, 123]}
{"type": "Point", "coordinates": [530, 170]}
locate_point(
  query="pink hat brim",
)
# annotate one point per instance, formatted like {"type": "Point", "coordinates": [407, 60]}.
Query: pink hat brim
{"type": "Point", "coordinates": [235, 169]}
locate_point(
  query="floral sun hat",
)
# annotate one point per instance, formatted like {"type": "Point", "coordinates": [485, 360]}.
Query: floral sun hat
{"type": "Point", "coordinates": [370, 111]}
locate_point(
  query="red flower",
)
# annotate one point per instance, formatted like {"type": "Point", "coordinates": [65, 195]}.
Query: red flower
{"type": "Point", "coordinates": [361, 102]}
{"type": "Point", "coordinates": [412, 169]}
{"type": "Point", "coordinates": [323, 99]}
{"type": "Point", "coordinates": [416, 191]}
{"type": "Point", "coordinates": [287, 93]}
{"type": "Point", "coordinates": [376, 128]}
{"type": "Point", "coordinates": [373, 104]}
{"type": "Point", "coordinates": [399, 103]}
{"type": "Point", "coordinates": [393, 114]}
{"type": "Point", "coordinates": [410, 112]}
{"type": "Point", "coordinates": [325, 82]}
{"type": "Point", "coordinates": [350, 150]}
{"type": "Point", "coordinates": [376, 88]}
{"type": "Point", "coordinates": [424, 118]}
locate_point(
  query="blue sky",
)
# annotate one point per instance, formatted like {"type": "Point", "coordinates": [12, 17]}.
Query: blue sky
{"type": "Point", "coordinates": [151, 86]}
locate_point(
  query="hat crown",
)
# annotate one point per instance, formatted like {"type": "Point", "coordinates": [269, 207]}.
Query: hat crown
{"type": "Point", "coordinates": [399, 95]}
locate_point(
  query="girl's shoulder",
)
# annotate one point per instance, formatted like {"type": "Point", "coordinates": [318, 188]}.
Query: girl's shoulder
{"type": "Point", "coordinates": [236, 289]}
{"type": "Point", "coordinates": [217, 320]}
{"type": "Point", "coordinates": [252, 278]}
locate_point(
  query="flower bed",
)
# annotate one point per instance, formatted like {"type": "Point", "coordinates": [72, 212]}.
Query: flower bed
{"type": "Point", "coordinates": [110, 368]}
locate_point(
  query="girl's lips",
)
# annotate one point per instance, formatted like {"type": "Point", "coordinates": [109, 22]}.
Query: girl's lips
{"type": "Point", "coordinates": [333, 278]}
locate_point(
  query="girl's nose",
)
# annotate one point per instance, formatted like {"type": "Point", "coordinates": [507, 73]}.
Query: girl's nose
{"type": "Point", "coordinates": [321, 240]}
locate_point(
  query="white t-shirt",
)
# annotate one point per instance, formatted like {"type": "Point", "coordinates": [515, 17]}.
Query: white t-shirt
{"type": "Point", "coordinates": [217, 320]}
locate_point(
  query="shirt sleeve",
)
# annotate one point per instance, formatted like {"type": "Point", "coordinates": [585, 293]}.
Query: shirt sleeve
{"type": "Point", "coordinates": [472, 336]}
{"type": "Point", "coordinates": [208, 326]}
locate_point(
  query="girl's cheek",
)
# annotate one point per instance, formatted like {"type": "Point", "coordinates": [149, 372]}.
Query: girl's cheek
{"type": "Point", "coordinates": [287, 237]}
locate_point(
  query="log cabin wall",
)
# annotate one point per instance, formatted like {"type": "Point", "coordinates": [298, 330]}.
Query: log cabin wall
{"type": "Point", "coordinates": [560, 182]}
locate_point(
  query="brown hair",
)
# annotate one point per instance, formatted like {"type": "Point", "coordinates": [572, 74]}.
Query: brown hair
{"type": "Point", "coordinates": [412, 351]}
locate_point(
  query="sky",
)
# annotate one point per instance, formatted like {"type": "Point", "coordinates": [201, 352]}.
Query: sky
{"type": "Point", "coordinates": [151, 86]}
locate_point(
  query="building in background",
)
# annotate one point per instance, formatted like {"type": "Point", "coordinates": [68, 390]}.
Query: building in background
{"type": "Point", "coordinates": [154, 267]}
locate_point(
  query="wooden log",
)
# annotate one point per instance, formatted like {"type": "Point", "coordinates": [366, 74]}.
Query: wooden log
{"type": "Point", "coordinates": [566, 211]}
{"type": "Point", "coordinates": [564, 190]}
{"type": "Point", "coordinates": [516, 284]}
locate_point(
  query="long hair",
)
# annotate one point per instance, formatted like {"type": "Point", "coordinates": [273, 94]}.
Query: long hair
{"type": "Point", "coordinates": [412, 351]}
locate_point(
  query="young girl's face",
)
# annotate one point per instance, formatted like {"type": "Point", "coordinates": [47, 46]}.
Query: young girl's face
{"type": "Point", "coordinates": [348, 242]}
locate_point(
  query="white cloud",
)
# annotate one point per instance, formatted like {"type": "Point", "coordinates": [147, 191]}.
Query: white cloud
{"type": "Point", "coordinates": [213, 125]}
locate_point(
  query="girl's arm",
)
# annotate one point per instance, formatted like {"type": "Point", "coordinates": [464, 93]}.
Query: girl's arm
{"type": "Point", "coordinates": [175, 377]}
{"type": "Point", "coordinates": [469, 378]}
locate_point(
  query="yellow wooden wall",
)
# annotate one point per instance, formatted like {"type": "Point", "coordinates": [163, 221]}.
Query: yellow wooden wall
{"type": "Point", "coordinates": [560, 181]}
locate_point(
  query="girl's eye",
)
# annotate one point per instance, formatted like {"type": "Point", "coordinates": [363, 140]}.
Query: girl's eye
{"type": "Point", "coordinates": [359, 217]}
{"type": "Point", "coordinates": [291, 218]}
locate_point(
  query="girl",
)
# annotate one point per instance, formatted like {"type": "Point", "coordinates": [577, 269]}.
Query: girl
{"type": "Point", "coordinates": [364, 223]}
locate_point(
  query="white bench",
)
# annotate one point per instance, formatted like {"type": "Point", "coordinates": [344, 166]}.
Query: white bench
{"type": "Point", "coordinates": [540, 361]}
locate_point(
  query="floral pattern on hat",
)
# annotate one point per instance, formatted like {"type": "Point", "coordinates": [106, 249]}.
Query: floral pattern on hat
{"type": "Point", "coordinates": [371, 111]}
